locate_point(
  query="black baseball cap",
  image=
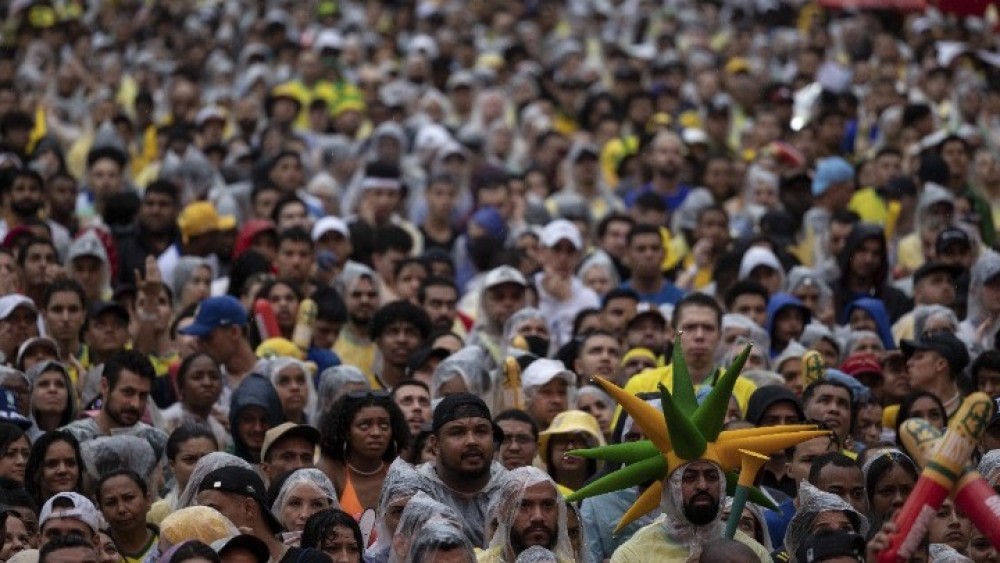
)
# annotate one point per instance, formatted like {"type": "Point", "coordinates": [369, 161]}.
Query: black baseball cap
{"type": "Point", "coordinates": [830, 544]}
{"type": "Point", "coordinates": [420, 358]}
{"type": "Point", "coordinates": [928, 268]}
{"type": "Point", "coordinates": [952, 236]}
{"type": "Point", "coordinates": [253, 544]}
{"type": "Point", "coordinates": [463, 405]}
{"type": "Point", "coordinates": [241, 481]}
{"type": "Point", "coordinates": [100, 307]}
{"type": "Point", "coordinates": [944, 343]}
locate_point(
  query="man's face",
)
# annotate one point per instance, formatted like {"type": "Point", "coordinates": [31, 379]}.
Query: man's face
{"type": "Point", "coordinates": [465, 447]}
{"type": "Point", "coordinates": [846, 482]}
{"type": "Point", "coordinates": [645, 254]}
{"type": "Point", "coordinates": [502, 301]}
{"type": "Point", "coordinates": [701, 491]}
{"type": "Point", "coordinates": [105, 178]}
{"type": "Point", "coordinates": [780, 413]}
{"type": "Point", "coordinates": [598, 357]}
{"type": "Point", "coordinates": [832, 405]}
{"type": "Point", "coordinates": [867, 259]}
{"type": "Point", "coordinates": [935, 289]}
{"type": "Point", "coordinates": [615, 239]}
{"type": "Point", "coordinates": [788, 325]}
{"type": "Point", "coordinates": [19, 326]}
{"type": "Point", "coordinates": [805, 453]}
{"type": "Point", "coordinates": [519, 444]}
{"type": "Point", "coordinates": [617, 313]}
{"type": "Point", "coordinates": [25, 197]}
{"type": "Point", "coordinates": [383, 202]}
{"type": "Point", "coordinates": [955, 155]}
{"type": "Point", "coordinates": [288, 454]}
{"type": "Point", "coordinates": [398, 341]}
{"type": "Point", "coordinates": [107, 333]}
{"type": "Point", "coordinates": [385, 263]}
{"type": "Point", "coordinates": [440, 303]}
{"type": "Point", "coordinates": [158, 212]}
{"type": "Point", "coordinates": [667, 156]}
{"type": "Point", "coordinates": [61, 527]}
{"type": "Point", "coordinates": [700, 334]}
{"type": "Point", "coordinates": [251, 426]}
{"type": "Point", "coordinates": [362, 300]}
{"type": "Point", "coordinates": [230, 505]}
{"type": "Point", "coordinates": [37, 260]}
{"type": "Point", "coordinates": [924, 367]}
{"type": "Point", "coordinates": [126, 403]}
{"type": "Point", "coordinates": [549, 400]}
{"type": "Point", "coordinates": [837, 236]}
{"type": "Point", "coordinates": [415, 402]}
{"type": "Point", "coordinates": [89, 272]}
{"type": "Point", "coordinates": [752, 306]}
{"type": "Point", "coordinates": [537, 519]}
{"type": "Point", "coordinates": [560, 260]}
{"type": "Point", "coordinates": [647, 332]}
{"type": "Point", "coordinates": [294, 260]}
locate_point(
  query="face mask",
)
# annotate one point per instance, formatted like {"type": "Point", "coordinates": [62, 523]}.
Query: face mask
{"type": "Point", "coordinates": [538, 345]}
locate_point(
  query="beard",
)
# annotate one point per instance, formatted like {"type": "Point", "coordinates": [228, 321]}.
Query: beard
{"type": "Point", "coordinates": [701, 514]}
{"type": "Point", "coordinates": [519, 543]}
{"type": "Point", "coordinates": [26, 209]}
{"type": "Point", "coordinates": [358, 320]}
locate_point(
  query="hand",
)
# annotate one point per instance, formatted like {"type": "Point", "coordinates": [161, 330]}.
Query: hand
{"type": "Point", "coordinates": [54, 272]}
{"type": "Point", "coordinates": [702, 253]}
{"type": "Point", "coordinates": [880, 541]}
{"type": "Point", "coordinates": [557, 287]}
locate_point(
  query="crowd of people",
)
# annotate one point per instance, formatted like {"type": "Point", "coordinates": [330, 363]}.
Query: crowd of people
{"type": "Point", "coordinates": [332, 280]}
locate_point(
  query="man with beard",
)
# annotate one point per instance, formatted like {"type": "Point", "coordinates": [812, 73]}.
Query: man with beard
{"type": "Point", "coordinates": [397, 330]}
{"type": "Point", "coordinates": [361, 296]}
{"type": "Point", "coordinates": [464, 475]}
{"type": "Point", "coordinates": [528, 512]}
{"type": "Point", "coordinates": [125, 385]}
{"type": "Point", "coordinates": [692, 503]}
{"type": "Point", "coordinates": [664, 158]}
{"type": "Point", "coordinates": [439, 298]}
{"type": "Point", "coordinates": [154, 231]}
{"type": "Point", "coordinates": [22, 198]}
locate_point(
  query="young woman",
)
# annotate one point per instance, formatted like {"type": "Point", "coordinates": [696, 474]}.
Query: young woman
{"type": "Point", "coordinates": [53, 399]}
{"type": "Point", "coordinates": [335, 533]}
{"type": "Point", "coordinates": [889, 479]}
{"type": "Point", "coordinates": [123, 498]}
{"type": "Point", "coordinates": [570, 430]}
{"type": "Point", "coordinates": [361, 435]}
{"type": "Point", "coordinates": [293, 381]}
{"type": "Point", "coordinates": [301, 494]}
{"type": "Point", "coordinates": [284, 297]}
{"type": "Point", "coordinates": [54, 466]}
{"type": "Point", "coordinates": [14, 452]}
{"type": "Point", "coordinates": [199, 382]}
{"type": "Point", "coordinates": [921, 404]}
{"type": "Point", "coordinates": [410, 273]}
{"type": "Point", "coordinates": [192, 281]}
{"type": "Point", "coordinates": [186, 445]}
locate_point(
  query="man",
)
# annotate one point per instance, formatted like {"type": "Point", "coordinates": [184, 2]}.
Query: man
{"type": "Point", "coordinates": [955, 151]}
{"type": "Point", "coordinates": [39, 260]}
{"type": "Point", "coordinates": [22, 199]}
{"type": "Point", "coordinates": [832, 189]}
{"type": "Point", "coordinates": [126, 381]}
{"type": "Point", "coordinates": [865, 267]}
{"type": "Point", "coordinates": [239, 494]}
{"type": "Point", "coordinates": [287, 447]}
{"type": "Point", "coordinates": [665, 160]}
{"type": "Point", "coordinates": [18, 322]}
{"type": "Point", "coordinates": [698, 317]}
{"type": "Point", "coordinates": [618, 308]}
{"type": "Point", "coordinates": [748, 298]}
{"type": "Point", "coordinates": [502, 295]}
{"type": "Point", "coordinates": [330, 234]}
{"type": "Point", "coordinates": [520, 439]}
{"type": "Point", "coordinates": [828, 247]}
{"type": "Point", "coordinates": [331, 315]}
{"type": "Point", "coordinates": [647, 329]}
{"type": "Point", "coordinates": [220, 327]}
{"type": "Point", "coordinates": [527, 515]}
{"type": "Point", "coordinates": [831, 403]}
{"type": "Point", "coordinates": [105, 331]}
{"type": "Point", "coordinates": [548, 388]}
{"type": "Point", "coordinates": [837, 474]}
{"type": "Point", "coordinates": [155, 229]}
{"type": "Point", "coordinates": [105, 178]}
{"type": "Point", "coordinates": [295, 257]}
{"type": "Point", "coordinates": [612, 238]}
{"type": "Point", "coordinates": [645, 258]}
{"type": "Point", "coordinates": [561, 295]}
{"type": "Point", "coordinates": [787, 317]}
{"type": "Point", "coordinates": [773, 405]}
{"type": "Point", "coordinates": [933, 284]}
{"type": "Point", "coordinates": [599, 355]}
{"type": "Point", "coordinates": [954, 248]}
{"type": "Point", "coordinates": [933, 364]}
{"type": "Point", "coordinates": [254, 409]}
{"type": "Point", "coordinates": [69, 549]}
{"type": "Point", "coordinates": [361, 296]}
{"type": "Point", "coordinates": [199, 225]}
{"type": "Point", "coordinates": [68, 514]}
{"type": "Point", "coordinates": [397, 329]}
{"type": "Point", "coordinates": [64, 314]}
{"type": "Point", "coordinates": [464, 475]}
{"type": "Point", "coordinates": [439, 298]}
{"type": "Point", "coordinates": [392, 245]}
{"type": "Point", "coordinates": [87, 263]}
{"type": "Point", "coordinates": [414, 399]}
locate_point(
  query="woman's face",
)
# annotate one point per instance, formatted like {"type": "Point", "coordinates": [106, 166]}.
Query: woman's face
{"type": "Point", "coordinates": [598, 279]}
{"type": "Point", "coordinates": [285, 304]}
{"type": "Point", "coordinates": [198, 287]}
{"type": "Point", "coordinates": [559, 444]}
{"type": "Point", "coordinates": [107, 551]}
{"type": "Point", "coordinates": [123, 504]}
{"type": "Point", "coordinates": [302, 501]}
{"type": "Point", "coordinates": [187, 456]}
{"type": "Point", "coordinates": [59, 469]}
{"type": "Point", "coordinates": [49, 395]}
{"type": "Point", "coordinates": [939, 323]}
{"type": "Point", "coordinates": [869, 345]}
{"type": "Point", "coordinates": [162, 307]}
{"type": "Point", "coordinates": [828, 351]}
{"type": "Point", "coordinates": [202, 383]}
{"type": "Point", "coordinates": [808, 294]}
{"type": "Point", "coordinates": [891, 491]}
{"type": "Point", "coordinates": [17, 538]}
{"type": "Point", "coordinates": [370, 432]}
{"type": "Point", "coordinates": [292, 389]}
{"type": "Point", "coordinates": [341, 546]}
{"type": "Point", "coordinates": [599, 408]}
{"type": "Point", "coordinates": [408, 281]}
{"type": "Point", "coordinates": [928, 409]}
{"type": "Point", "coordinates": [14, 459]}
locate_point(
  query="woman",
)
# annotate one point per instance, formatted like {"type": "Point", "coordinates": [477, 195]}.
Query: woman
{"type": "Point", "coordinates": [336, 382]}
{"type": "Point", "coordinates": [598, 273]}
{"type": "Point", "coordinates": [293, 381]}
{"type": "Point", "coordinates": [463, 372]}
{"type": "Point", "coordinates": [928, 319]}
{"type": "Point", "coordinates": [199, 382]}
{"type": "Point", "coordinates": [17, 537]}
{"type": "Point", "coordinates": [284, 297]}
{"type": "Point", "coordinates": [192, 551]}
{"type": "Point", "coordinates": [810, 288]}
{"type": "Point", "coordinates": [889, 479]}
{"type": "Point", "coordinates": [14, 452]}
{"type": "Point", "coordinates": [982, 322]}
{"type": "Point", "coordinates": [335, 533]}
{"type": "Point", "coordinates": [361, 435]}
{"type": "Point", "coordinates": [123, 499]}
{"type": "Point", "coordinates": [192, 281]}
{"type": "Point", "coordinates": [864, 342]}
{"type": "Point", "coordinates": [921, 404]}
{"type": "Point", "coordinates": [187, 444]}
{"type": "Point", "coordinates": [817, 510]}
{"type": "Point", "coordinates": [410, 273]}
{"type": "Point", "coordinates": [291, 211]}
{"type": "Point", "coordinates": [54, 466]}
{"type": "Point", "coordinates": [569, 430]}
{"type": "Point", "coordinates": [107, 551]}
{"type": "Point", "coordinates": [303, 493]}
{"type": "Point", "coordinates": [203, 467]}
{"type": "Point", "coordinates": [592, 400]}
{"type": "Point", "coordinates": [53, 398]}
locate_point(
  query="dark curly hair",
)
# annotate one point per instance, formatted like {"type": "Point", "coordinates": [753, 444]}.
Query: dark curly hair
{"type": "Point", "coordinates": [336, 424]}
{"type": "Point", "coordinates": [320, 524]}
{"type": "Point", "coordinates": [36, 461]}
{"type": "Point", "coordinates": [194, 549]}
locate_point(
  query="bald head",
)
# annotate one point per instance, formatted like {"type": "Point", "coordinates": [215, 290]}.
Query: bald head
{"type": "Point", "coordinates": [727, 551]}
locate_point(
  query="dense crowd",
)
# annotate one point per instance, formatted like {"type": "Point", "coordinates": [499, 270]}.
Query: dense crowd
{"type": "Point", "coordinates": [334, 280]}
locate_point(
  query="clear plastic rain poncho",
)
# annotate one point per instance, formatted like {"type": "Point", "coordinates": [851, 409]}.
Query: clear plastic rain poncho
{"type": "Point", "coordinates": [855, 337]}
{"type": "Point", "coordinates": [503, 510]}
{"type": "Point", "coordinates": [471, 364]}
{"type": "Point", "coordinates": [439, 535]}
{"type": "Point", "coordinates": [599, 259]}
{"type": "Point", "coordinates": [274, 366]}
{"type": "Point", "coordinates": [184, 271]}
{"type": "Point", "coordinates": [986, 267]}
{"type": "Point", "coordinates": [679, 530]}
{"type": "Point", "coordinates": [815, 332]}
{"type": "Point", "coordinates": [402, 482]}
{"type": "Point", "coordinates": [813, 502]}
{"type": "Point", "coordinates": [750, 332]}
{"type": "Point", "coordinates": [201, 523]}
{"type": "Point", "coordinates": [335, 381]}
{"type": "Point", "coordinates": [512, 327]}
{"type": "Point", "coordinates": [471, 507]}
{"type": "Point", "coordinates": [418, 513]}
{"type": "Point", "coordinates": [108, 453]}
{"type": "Point", "coordinates": [802, 275]}
{"type": "Point", "coordinates": [944, 553]}
{"type": "Point", "coordinates": [923, 314]}
{"type": "Point", "coordinates": [989, 466]}
{"type": "Point", "coordinates": [537, 554]}
{"type": "Point", "coordinates": [206, 465]}
{"type": "Point", "coordinates": [308, 476]}
{"type": "Point", "coordinates": [758, 515]}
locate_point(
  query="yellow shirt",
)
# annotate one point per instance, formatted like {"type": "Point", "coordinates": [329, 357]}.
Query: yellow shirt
{"type": "Point", "coordinates": [651, 544]}
{"type": "Point", "coordinates": [909, 254]}
{"type": "Point", "coordinates": [867, 204]}
{"type": "Point", "coordinates": [647, 381]}
{"type": "Point", "coordinates": [354, 352]}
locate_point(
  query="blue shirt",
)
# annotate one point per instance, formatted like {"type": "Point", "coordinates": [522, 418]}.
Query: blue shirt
{"type": "Point", "coordinates": [668, 293]}
{"type": "Point", "coordinates": [671, 201]}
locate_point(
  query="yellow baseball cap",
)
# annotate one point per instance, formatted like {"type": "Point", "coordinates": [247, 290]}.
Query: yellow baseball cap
{"type": "Point", "coordinates": [201, 218]}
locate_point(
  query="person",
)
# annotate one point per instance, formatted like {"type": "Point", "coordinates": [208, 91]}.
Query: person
{"type": "Point", "coordinates": [501, 296]}
{"type": "Point", "coordinates": [123, 498]}
{"type": "Point", "coordinates": [592, 400]}
{"type": "Point", "coordinates": [337, 381]}
{"type": "Point", "coordinates": [64, 313]}
{"type": "Point", "coordinates": [354, 346]}
{"type": "Point", "coordinates": [54, 466]}
{"type": "Point", "coordinates": [255, 408]}
{"type": "Point", "coordinates": [832, 403]}
{"type": "Point", "coordinates": [220, 327]}
{"type": "Point", "coordinates": [67, 550]}
{"type": "Point", "coordinates": [520, 438]}
{"type": "Point", "coordinates": [360, 436]}
{"type": "Point", "coordinates": [787, 317]}
{"type": "Point", "coordinates": [934, 363]}
{"type": "Point", "coordinates": [397, 329]}
{"type": "Point", "coordinates": [464, 475]}
{"type": "Point", "coordinates": [463, 372]}
{"type": "Point", "coordinates": [598, 356]}
{"type": "Point", "coordinates": [818, 511]}
{"type": "Point", "coordinates": [187, 444]}
{"type": "Point", "coordinates": [192, 550]}
{"type": "Point", "coordinates": [526, 331]}
{"type": "Point", "coordinates": [300, 494]}
{"type": "Point", "coordinates": [837, 474]}
{"type": "Point", "coordinates": [440, 542]}
{"type": "Point", "coordinates": [335, 533]}
{"type": "Point", "coordinates": [645, 257]}
{"type": "Point", "coordinates": [14, 452]}
{"type": "Point", "coordinates": [727, 551]}
{"type": "Point", "coordinates": [864, 264]}
{"type": "Point", "coordinates": [238, 493]}
{"type": "Point", "coordinates": [17, 538]}
{"type": "Point", "coordinates": [401, 484]}
{"type": "Point", "coordinates": [287, 447]}
{"type": "Point", "coordinates": [293, 381]}
{"type": "Point", "coordinates": [243, 547]}
{"type": "Point", "coordinates": [413, 398]}
{"type": "Point", "coordinates": [53, 397]}
{"type": "Point", "coordinates": [548, 387]}
{"type": "Point", "coordinates": [561, 294]}
{"type": "Point", "coordinates": [569, 430]}
{"type": "Point", "coordinates": [68, 514]}
{"type": "Point", "coordinates": [528, 511]}
{"type": "Point", "coordinates": [890, 476]}
{"type": "Point", "coordinates": [18, 322]}
{"type": "Point", "coordinates": [199, 384]}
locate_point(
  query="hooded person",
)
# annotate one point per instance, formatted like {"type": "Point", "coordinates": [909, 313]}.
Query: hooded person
{"type": "Point", "coordinates": [354, 345]}
{"type": "Point", "coordinates": [864, 262]}
{"type": "Point", "coordinates": [87, 263]}
{"type": "Point", "coordinates": [420, 511]}
{"type": "Point", "coordinates": [511, 529]}
{"type": "Point", "coordinates": [876, 312]}
{"type": "Point", "coordinates": [760, 534]}
{"type": "Point", "coordinates": [982, 321]}
{"type": "Point", "coordinates": [283, 506]}
{"type": "Point", "coordinates": [817, 510]}
{"type": "Point", "coordinates": [337, 381]}
{"type": "Point", "coordinates": [255, 406]}
{"type": "Point", "coordinates": [282, 369]}
{"type": "Point", "coordinates": [787, 317]}
{"type": "Point", "coordinates": [440, 538]}
{"type": "Point", "coordinates": [402, 483]}
{"type": "Point", "coordinates": [935, 209]}
{"type": "Point", "coordinates": [499, 286]}
{"type": "Point", "coordinates": [464, 371]}
{"type": "Point", "coordinates": [515, 326]}
{"type": "Point", "coordinates": [108, 453]}
{"type": "Point", "coordinates": [810, 288]}
{"type": "Point", "coordinates": [762, 265]}
{"type": "Point", "coordinates": [819, 337]}
{"type": "Point", "coordinates": [203, 467]}
{"type": "Point", "coordinates": [69, 413]}
{"type": "Point", "coordinates": [789, 365]}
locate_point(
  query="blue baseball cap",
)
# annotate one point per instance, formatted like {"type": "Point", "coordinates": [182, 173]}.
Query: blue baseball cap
{"type": "Point", "coordinates": [833, 170]}
{"type": "Point", "coordinates": [216, 312]}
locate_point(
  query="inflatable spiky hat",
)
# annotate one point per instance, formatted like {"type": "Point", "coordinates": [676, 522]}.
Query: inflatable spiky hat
{"type": "Point", "coordinates": [683, 432]}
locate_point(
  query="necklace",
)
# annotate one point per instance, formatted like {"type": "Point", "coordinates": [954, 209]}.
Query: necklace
{"type": "Point", "coordinates": [375, 471]}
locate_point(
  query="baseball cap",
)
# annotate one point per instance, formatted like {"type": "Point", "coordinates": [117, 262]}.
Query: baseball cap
{"type": "Point", "coordinates": [830, 544]}
{"type": "Point", "coordinates": [241, 481]}
{"type": "Point", "coordinates": [544, 370]}
{"type": "Point", "coordinates": [952, 236]}
{"type": "Point", "coordinates": [9, 412]}
{"type": "Point", "coordinates": [330, 224]}
{"type": "Point", "coordinates": [644, 310]}
{"type": "Point", "coordinates": [98, 308]}
{"type": "Point", "coordinates": [944, 343]}
{"type": "Point", "coordinates": [36, 342]}
{"type": "Point", "coordinates": [216, 312]}
{"type": "Point", "coordinates": [288, 430]}
{"type": "Point", "coordinates": [9, 303]}
{"type": "Point", "coordinates": [253, 544]}
{"type": "Point", "coordinates": [833, 170]}
{"type": "Point", "coordinates": [737, 64]}
{"type": "Point", "coordinates": [558, 230]}
{"type": "Point", "coordinates": [502, 275]}
{"type": "Point", "coordinates": [82, 509]}
{"type": "Point", "coordinates": [463, 405]}
{"type": "Point", "coordinates": [209, 113]}
{"type": "Point", "coordinates": [928, 268]}
{"type": "Point", "coordinates": [87, 244]}
{"type": "Point", "coordinates": [420, 358]}
{"type": "Point", "coordinates": [858, 364]}
{"type": "Point", "coordinates": [201, 218]}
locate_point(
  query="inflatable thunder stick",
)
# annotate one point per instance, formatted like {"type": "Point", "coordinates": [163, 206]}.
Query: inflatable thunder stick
{"type": "Point", "coordinates": [302, 335]}
{"type": "Point", "coordinates": [944, 467]}
{"type": "Point", "coordinates": [267, 323]}
{"type": "Point", "coordinates": [973, 495]}
{"type": "Point", "coordinates": [813, 368]}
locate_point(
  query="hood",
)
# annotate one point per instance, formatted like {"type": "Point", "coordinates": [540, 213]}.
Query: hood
{"type": "Point", "coordinates": [677, 528]}
{"type": "Point", "coordinates": [252, 228]}
{"type": "Point", "coordinates": [764, 397]}
{"type": "Point", "coordinates": [469, 363]}
{"type": "Point", "coordinates": [986, 268]}
{"type": "Point", "coordinates": [794, 350]}
{"type": "Point", "coordinates": [859, 234]}
{"type": "Point", "coordinates": [760, 256]}
{"type": "Point", "coordinates": [813, 502]}
{"type": "Point", "coordinates": [254, 391]}
{"type": "Point", "coordinates": [877, 310]}
{"type": "Point", "coordinates": [777, 303]}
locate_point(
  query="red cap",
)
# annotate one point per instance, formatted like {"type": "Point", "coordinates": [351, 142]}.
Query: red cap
{"type": "Point", "coordinates": [857, 364]}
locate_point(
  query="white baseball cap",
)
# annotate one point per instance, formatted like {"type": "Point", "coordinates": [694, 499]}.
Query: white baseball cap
{"type": "Point", "coordinates": [82, 509]}
{"type": "Point", "coordinates": [502, 275]}
{"type": "Point", "coordinates": [561, 229]}
{"type": "Point", "coordinates": [544, 370]}
{"type": "Point", "coordinates": [9, 303]}
{"type": "Point", "coordinates": [328, 224]}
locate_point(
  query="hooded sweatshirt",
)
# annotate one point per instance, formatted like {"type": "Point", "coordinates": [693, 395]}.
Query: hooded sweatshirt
{"type": "Point", "coordinates": [254, 391]}
{"type": "Point", "coordinates": [875, 309]}
{"type": "Point", "coordinates": [778, 303]}
{"type": "Point", "coordinates": [896, 303]}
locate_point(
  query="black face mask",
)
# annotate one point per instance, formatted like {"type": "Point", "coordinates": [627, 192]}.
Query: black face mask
{"type": "Point", "coordinates": [537, 345]}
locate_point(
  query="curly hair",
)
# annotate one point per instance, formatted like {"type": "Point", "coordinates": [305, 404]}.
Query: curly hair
{"type": "Point", "coordinates": [36, 461]}
{"type": "Point", "coordinates": [322, 523]}
{"type": "Point", "coordinates": [335, 426]}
